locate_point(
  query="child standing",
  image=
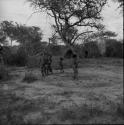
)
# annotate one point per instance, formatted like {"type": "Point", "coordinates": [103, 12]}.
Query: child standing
{"type": "Point", "coordinates": [75, 66]}
{"type": "Point", "coordinates": [61, 64]}
{"type": "Point", "coordinates": [49, 64]}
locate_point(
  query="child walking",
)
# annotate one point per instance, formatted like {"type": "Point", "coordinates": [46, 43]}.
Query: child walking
{"type": "Point", "coordinates": [61, 65]}
{"type": "Point", "coordinates": [75, 66]}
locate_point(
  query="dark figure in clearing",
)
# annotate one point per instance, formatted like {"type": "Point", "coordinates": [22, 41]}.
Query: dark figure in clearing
{"type": "Point", "coordinates": [49, 64]}
{"type": "Point", "coordinates": [61, 65]}
{"type": "Point", "coordinates": [44, 65]}
{"type": "Point", "coordinates": [75, 66]}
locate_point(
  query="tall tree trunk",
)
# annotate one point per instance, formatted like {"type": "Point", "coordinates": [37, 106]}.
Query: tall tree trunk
{"type": "Point", "coordinates": [69, 46]}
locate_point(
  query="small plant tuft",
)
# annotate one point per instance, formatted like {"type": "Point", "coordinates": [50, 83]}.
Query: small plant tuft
{"type": "Point", "coordinates": [29, 78]}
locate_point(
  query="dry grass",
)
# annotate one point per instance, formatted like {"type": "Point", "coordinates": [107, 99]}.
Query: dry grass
{"type": "Point", "coordinates": [79, 114]}
{"type": "Point", "coordinates": [58, 100]}
{"type": "Point", "coordinates": [19, 108]}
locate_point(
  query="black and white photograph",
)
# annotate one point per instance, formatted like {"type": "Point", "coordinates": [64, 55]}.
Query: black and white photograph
{"type": "Point", "coordinates": [61, 62]}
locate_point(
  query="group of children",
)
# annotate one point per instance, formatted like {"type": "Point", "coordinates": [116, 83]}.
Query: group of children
{"type": "Point", "coordinates": [46, 67]}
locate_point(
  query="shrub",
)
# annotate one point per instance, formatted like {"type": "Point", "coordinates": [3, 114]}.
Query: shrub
{"type": "Point", "coordinates": [21, 57]}
{"type": "Point", "coordinates": [114, 48]}
{"type": "Point", "coordinates": [33, 61]}
{"type": "Point", "coordinates": [29, 77]}
{"type": "Point", "coordinates": [18, 57]}
{"type": "Point", "coordinates": [56, 50]}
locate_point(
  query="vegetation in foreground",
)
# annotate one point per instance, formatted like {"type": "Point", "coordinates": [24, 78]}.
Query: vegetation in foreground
{"type": "Point", "coordinates": [16, 113]}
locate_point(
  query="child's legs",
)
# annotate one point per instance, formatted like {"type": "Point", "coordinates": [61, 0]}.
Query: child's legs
{"type": "Point", "coordinates": [46, 69]}
{"type": "Point", "coordinates": [51, 69]}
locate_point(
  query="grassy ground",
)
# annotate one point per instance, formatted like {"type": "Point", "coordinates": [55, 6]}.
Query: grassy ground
{"type": "Point", "coordinates": [97, 97]}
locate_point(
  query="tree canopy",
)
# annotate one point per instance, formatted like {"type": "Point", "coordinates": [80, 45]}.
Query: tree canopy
{"type": "Point", "coordinates": [2, 37]}
{"type": "Point", "coordinates": [69, 15]}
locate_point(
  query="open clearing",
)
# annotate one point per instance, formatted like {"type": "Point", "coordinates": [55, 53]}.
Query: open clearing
{"type": "Point", "coordinates": [95, 98]}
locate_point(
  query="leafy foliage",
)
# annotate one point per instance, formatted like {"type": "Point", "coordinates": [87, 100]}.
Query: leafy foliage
{"type": "Point", "coordinates": [9, 29]}
{"type": "Point", "coordinates": [120, 3]}
{"type": "Point", "coordinates": [27, 36]}
{"type": "Point", "coordinates": [2, 37]}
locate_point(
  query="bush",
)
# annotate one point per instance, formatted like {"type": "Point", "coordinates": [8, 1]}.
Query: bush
{"type": "Point", "coordinates": [3, 73]}
{"type": "Point", "coordinates": [21, 57]}
{"type": "Point", "coordinates": [29, 77]}
{"type": "Point", "coordinates": [33, 61]}
{"type": "Point", "coordinates": [114, 48]}
{"type": "Point", "coordinates": [55, 50]}
{"type": "Point", "coordinates": [18, 57]}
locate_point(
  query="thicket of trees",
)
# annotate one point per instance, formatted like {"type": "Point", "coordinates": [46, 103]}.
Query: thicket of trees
{"type": "Point", "coordinates": [17, 56]}
{"type": "Point", "coordinates": [114, 48]}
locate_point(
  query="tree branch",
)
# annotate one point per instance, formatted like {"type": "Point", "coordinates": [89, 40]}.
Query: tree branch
{"type": "Point", "coordinates": [80, 35]}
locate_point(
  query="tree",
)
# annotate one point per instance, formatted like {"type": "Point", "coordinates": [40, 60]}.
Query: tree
{"type": "Point", "coordinates": [26, 35]}
{"type": "Point", "coordinates": [70, 15]}
{"type": "Point", "coordinates": [9, 29]}
{"type": "Point", "coordinates": [2, 37]}
{"type": "Point", "coordinates": [3, 42]}
{"type": "Point", "coordinates": [120, 3]}
{"type": "Point", "coordinates": [29, 37]}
